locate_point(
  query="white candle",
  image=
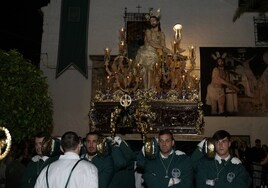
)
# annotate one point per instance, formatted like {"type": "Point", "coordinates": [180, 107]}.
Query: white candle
{"type": "Point", "coordinates": [122, 34]}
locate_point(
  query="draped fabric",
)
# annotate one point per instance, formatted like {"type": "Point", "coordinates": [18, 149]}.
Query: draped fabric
{"type": "Point", "coordinates": [73, 36]}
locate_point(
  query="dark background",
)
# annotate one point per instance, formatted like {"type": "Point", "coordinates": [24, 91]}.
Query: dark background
{"type": "Point", "coordinates": [21, 27]}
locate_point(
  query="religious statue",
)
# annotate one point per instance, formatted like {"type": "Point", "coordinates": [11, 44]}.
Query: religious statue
{"type": "Point", "coordinates": [150, 56]}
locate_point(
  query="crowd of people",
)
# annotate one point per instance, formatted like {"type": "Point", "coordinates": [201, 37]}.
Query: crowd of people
{"type": "Point", "coordinates": [255, 159]}
{"type": "Point", "coordinates": [105, 162]}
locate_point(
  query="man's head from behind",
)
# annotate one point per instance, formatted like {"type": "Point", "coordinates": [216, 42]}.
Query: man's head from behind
{"type": "Point", "coordinates": [70, 141]}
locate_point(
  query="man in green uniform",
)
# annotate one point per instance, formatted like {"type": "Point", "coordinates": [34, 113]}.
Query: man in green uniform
{"type": "Point", "coordinates": [124, 158]}
{"type": "Point", "coordinates": [220, 171]}
{"type": "Point", "coordinates": [38, 162]}
{"type": "Point", "coordinates": [104, 163]}
{"type": "Point", "coordinates": [169, 168]}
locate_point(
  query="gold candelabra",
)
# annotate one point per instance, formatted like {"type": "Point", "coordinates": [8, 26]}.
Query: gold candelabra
{"type": "Point", "coordinates": [173, 80]}
{"type": "Point", "coordinates": [173, 76]}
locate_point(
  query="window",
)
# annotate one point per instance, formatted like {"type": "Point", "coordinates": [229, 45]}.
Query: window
{"type": "Point", "coordinates": [135, 24]}
{"type": "Point", "coordinates": [261, 31]}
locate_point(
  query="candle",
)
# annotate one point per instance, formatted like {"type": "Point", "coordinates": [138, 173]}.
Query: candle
{"type": "Point", "coordinates": [177, 29]}
{"type": "Point", "coordinates": [191, 52]}
{"type": "Point", "coordinates": [107, 52]}
{"type": "Point", "coordinates": [175, 47]}
{"type": "Point", "coordinates": [122, 34]}
{"type": "Point", "coordinates": [108, 82]}
{"type": "Point", "coordinates": [121, 47]}
{"type": "Point", "coordinates": [178, 35]}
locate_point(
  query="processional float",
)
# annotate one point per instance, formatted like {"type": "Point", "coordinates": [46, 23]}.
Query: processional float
{"type": "Point", "coordinates": [122, 104]}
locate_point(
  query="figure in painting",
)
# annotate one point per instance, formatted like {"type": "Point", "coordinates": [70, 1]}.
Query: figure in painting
{"type": "Point", "coordinates": [149, 55]}
{"type": "Point", "coordinates": [216, 97]}
{"type": "Point", "coordinates": [248, 79]}
{"type": "Point", "coordinates": [263, 84]}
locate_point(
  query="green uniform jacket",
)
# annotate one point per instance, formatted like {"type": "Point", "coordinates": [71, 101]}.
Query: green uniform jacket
{"type": "Point", "coordinates": [31, 173]}
{"type": "Point", "coordinates": [105, 166]}
{"type": "Point", "coordinates": [123, 158]}
{"type": "Point", "coordinates": [180, 167]}
{"type": "Point", "coordinates": [230, 175]}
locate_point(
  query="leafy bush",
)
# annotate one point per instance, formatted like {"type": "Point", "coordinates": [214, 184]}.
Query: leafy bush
{"type": "Point", "coordinates": [25, 105]}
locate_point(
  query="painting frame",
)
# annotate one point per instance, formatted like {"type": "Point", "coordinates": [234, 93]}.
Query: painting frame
{"type": "Point", "coordinates": [241, 138]}
{"type": "Point", "coordinates": [247, 104]}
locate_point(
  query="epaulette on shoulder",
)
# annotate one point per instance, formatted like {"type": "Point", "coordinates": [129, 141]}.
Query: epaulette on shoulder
{"type": "Point", "coordinates": [235, 160]}
{"type": "Point", "coordinates": [178, 152]}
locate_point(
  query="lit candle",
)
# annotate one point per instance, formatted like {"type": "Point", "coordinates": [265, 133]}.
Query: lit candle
{"type": "Point", "coordinates": [175, 47]}
{"type": "Point", "coordinates": [107, 52]}
{"type": "Point", "coordinates": [121, 47]}
{"type": "Point", "coordinates": [122, 34]}
{"type": "Point", "coordinates": [130, 62]}
{"type": "Point", "coordinates": [178, 35]}
{"type": "Point", "coordinates": [177, 29]}
{"type": "Point", "coordinates": [128, 80]}
{"type": "Point", "coordinates": [191, 52]}
{"type": "Point", "coordinates": [108, 82]}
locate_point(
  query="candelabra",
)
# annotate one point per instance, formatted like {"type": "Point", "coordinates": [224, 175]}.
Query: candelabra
{"type": "Point", "coordinates": [173, 79]}
{"type": "Point", "coordinates": [149, 102]}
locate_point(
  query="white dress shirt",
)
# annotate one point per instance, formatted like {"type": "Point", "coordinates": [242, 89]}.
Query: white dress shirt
{"type": "Point", "coordinates": [84, 175]}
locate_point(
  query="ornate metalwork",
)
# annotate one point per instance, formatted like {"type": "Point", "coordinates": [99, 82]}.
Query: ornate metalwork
{"type": "Point", "coordinates": [144, 118]}
{"type": "Point", "coordinates": [5, 142]}
{"type": "Point", "coordinates": [148, 117]}
{"type": "Point", "coordinates": [125, 104]}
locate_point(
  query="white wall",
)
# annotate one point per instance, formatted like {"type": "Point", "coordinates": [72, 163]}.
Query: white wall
{"type": "Point", "coordinates": [206, 23]}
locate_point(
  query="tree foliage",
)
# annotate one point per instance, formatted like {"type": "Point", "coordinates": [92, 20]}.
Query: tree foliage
{"type": "Point", "coordinates": [25, 105]}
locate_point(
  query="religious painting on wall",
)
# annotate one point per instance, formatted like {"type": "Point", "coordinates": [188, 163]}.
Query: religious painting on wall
{"type": "Point", "coordinates": [241, 140]}
{"type": "Point", "coordinates": [234, 81]}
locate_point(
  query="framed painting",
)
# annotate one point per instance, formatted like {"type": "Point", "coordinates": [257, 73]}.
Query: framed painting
{"type": "Point", "coordinates": [239, 85]}
{"type": "Point", "coordinates": [241, 139]}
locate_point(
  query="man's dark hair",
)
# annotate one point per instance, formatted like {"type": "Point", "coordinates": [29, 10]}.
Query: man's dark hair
{"type": "Point", "coordinates": [69, 141]}
{"type": "Point", "coordinates": [93, 133]}
{"type": "Point", "coordinates": [166, 131]}
{"type": "Point", "coordinates": [42, 134]}
{"type": "Point", "coordinates": [221, 134]}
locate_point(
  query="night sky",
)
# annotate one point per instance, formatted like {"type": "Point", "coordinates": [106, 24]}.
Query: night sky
{"type": "Point", "coordinates": [21, 27]}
